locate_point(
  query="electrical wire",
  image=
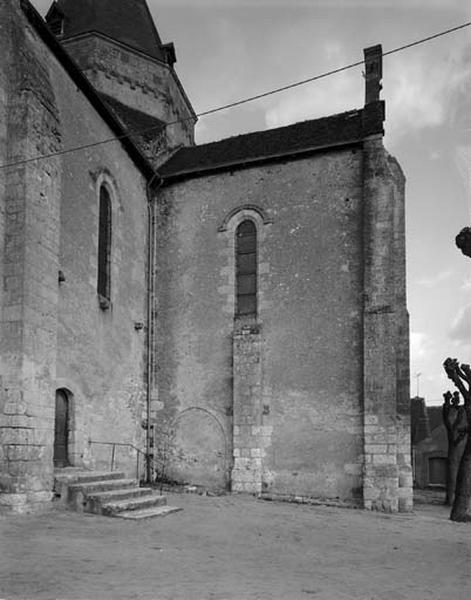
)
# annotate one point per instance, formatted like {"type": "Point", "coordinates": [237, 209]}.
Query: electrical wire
{"type": "Point", "coordinates": [212, 111]}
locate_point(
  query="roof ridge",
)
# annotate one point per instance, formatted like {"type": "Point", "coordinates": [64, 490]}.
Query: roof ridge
{"type": "Point", "coordinates": [353, 112]}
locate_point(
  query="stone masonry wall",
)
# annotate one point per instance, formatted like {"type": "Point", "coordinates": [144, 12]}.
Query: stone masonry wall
{"type": "Point", "coordinates": [387, 476]}
{"type": "Point", "coordinates": [136, 80]}
{"type": "Point", "coordinates": [30, 198]}
{"type": "Point", "coordinates": [308, 429]}
{"type": "Point", "coordinates": [247, 472]}
{"type": "Point", "coordinates": [101, 353]}
{"type": "Point", "coordinates": [403, 405]}
{"type": "Point", "coordinates": [56, 335]}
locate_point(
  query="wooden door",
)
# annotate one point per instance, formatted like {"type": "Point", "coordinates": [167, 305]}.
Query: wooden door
{"type": "Point", "coordinates": [61, 430]}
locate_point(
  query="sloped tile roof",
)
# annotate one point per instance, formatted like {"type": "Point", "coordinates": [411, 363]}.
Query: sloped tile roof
{"type": "Point", "coordinates": [127, 21]}
{"type": "Point", "coordinates": [139, 124]}
{"type": "Point", "coordinates": [420, 426]}
{"type": "Point", "coordinates": [435, 416]}
{"type": "Point", "coordinates": [294, 139]}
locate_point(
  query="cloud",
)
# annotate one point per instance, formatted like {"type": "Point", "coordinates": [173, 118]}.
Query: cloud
{"type": "Point", "coordinates": [424, 87]}
{"type": "Point", "coordinates": [428, 86]}
{"type": "Point", "coordinates": [461, 328]}
{"type": "Point", "coordinates": [343, 92]}
{"type": "Point", "coordinates": [419, 343]}
{"type": "Point", "coordinates": [434, 280]}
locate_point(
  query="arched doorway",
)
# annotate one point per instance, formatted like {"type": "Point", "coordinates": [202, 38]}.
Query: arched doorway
{"type": "Point", "coordinates": [61, 429]}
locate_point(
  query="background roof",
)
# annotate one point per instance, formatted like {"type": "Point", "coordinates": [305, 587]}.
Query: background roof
{"type": "Point", "coordinates": [127, 21]}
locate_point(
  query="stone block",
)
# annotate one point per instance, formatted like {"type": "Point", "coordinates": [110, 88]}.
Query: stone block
{"type": "Point", "coordinates": [12, 501]}
{"type": "Point", "coordinates": [384, 459]}
{"type": "Point", "coordinates": [405, 480]}
{"type": "Point", "coordinates": [17, 435]}
{"type": "Point", "coordinates": [376, 448]}
{"type": "Point", "coordinates": [14, 408]}
{"type": "Point", "coordinates": [22, 452]}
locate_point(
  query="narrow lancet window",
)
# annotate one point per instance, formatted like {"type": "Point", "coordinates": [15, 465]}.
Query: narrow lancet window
{"type": "Point", "coordinates": [246, 270]}
{"type": "Point", "coordinates": [104, 245]}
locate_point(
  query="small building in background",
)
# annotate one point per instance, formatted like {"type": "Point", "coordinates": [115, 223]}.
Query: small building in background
{"type": "Point", "coordinates": [429, 444]}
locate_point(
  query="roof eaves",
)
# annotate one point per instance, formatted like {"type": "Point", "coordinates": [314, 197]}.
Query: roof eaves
{"type": "Point", "coordinates": [83, 84]}
{"type": "Point", "coordinates": [249, 162]}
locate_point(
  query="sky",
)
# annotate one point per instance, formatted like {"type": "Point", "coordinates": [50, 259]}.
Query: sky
{"type": "Point", "coordinates": [228, 50]}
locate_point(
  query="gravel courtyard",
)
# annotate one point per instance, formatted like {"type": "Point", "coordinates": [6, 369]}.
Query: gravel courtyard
{"type": "Point", "coordinates": [239, 548]}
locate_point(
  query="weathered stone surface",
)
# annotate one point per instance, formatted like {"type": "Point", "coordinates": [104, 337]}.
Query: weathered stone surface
{"type": "Point", "coordinates": [56, 335]}
{"type": "Point", "coordinates": [140, 82]}
{"type": "Point", "coordinates": [309, 397]}
{"type": "Point", "coordinates": [310, 313]}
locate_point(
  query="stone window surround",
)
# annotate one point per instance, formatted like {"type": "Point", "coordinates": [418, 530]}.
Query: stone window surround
{"type": "Point", "coordinates": [228, 229]}
{"type": "Point", "coordinates": [104, 178]}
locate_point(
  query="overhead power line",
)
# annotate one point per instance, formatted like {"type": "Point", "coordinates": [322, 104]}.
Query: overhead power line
{"type": "Point", "coordinates": [236, 103]}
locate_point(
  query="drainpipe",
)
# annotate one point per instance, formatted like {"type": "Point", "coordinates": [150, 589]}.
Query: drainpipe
{"type": "Point", "coordinates": [150, 303]}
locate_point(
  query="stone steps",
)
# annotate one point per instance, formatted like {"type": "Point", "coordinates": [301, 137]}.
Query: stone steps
{"type": "Point", "coordinates": [78, 493]}
{"type": "Point", "coordinates": [110, 494]}
{"type": "Point", "coordinates": [149, 500]}
{"type": "Point", "coordinates": [147, 513]}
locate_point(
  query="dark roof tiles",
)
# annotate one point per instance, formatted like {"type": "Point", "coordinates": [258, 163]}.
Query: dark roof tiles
{"type": "Point", "coordinates": [301, 137]}
{"type": "Point", "coordinates": [136, 122]}
{"type": "Point", "coordinates": [420, 426]}
{"type": "Point", "coordinates": [127, 21]}
{"type": "Point", "coordinates": [435, 416]}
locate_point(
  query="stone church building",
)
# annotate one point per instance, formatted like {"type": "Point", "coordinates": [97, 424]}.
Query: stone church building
{"type": "Point", "coordinates": [236, 310]}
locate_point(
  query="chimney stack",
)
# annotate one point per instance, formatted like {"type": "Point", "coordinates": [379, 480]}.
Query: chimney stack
{"type": "Point", "coordinates": [373, 73]}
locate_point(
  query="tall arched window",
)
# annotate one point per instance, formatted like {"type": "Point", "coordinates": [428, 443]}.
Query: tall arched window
{"type": "Point", "coordinates": [246, 269]}
{"type": "Point", "coordinates": [104, 245]}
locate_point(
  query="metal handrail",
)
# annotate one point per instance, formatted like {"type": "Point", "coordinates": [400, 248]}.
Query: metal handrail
{"type": "Point", "coordinates": [148, 459]}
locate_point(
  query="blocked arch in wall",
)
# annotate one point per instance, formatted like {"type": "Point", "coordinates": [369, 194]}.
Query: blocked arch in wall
{"type": "Point", "coordinates": [200, 449]}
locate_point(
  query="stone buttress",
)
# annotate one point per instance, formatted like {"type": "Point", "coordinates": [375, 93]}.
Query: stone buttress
{"type": "Point", "coordinates": [387, 481]}
{"type": "Point", "coordinates": [29, 200]}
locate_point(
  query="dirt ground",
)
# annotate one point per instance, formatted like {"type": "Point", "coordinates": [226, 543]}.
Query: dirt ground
{"type": "Point", "coordinates": [239, 548]}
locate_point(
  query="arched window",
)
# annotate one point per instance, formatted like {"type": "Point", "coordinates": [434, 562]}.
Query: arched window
{"type": "Point", "coordinates": [246, 269]}
{"type": "Point", "coordinates": [104, 246]}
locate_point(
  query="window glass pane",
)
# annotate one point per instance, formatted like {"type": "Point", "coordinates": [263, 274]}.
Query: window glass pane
{"type": "Point", "coordinates": [104, 244]}
{"type": "Point", "coordinates": [246, 269]}
{"type": "Point", "coordinates": [247, 284]}
{"type": "Point", "coordinates": [247, 305]}
{"type": "Point", "coordinates": [246, 227]}
{"type": "Point", "coordinates": [246, 263]}
{"type": "Point", "coordinates": [246, 243]}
